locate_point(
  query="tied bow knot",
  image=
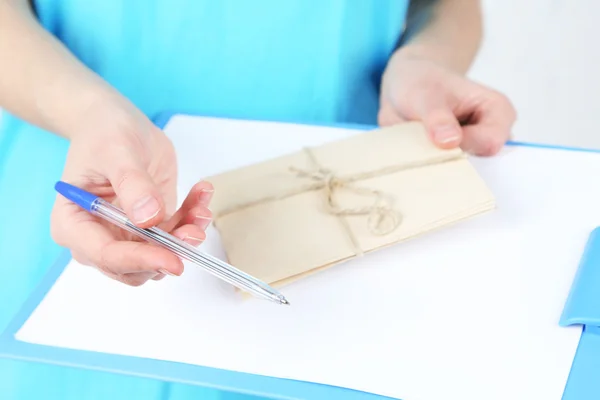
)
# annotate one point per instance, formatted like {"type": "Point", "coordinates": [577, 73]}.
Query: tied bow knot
{"type": "Point", "coordinates": [381, 217]}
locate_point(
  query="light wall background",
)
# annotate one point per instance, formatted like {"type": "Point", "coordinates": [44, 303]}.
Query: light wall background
{"type": "Point", "coordinates": [545, 55]}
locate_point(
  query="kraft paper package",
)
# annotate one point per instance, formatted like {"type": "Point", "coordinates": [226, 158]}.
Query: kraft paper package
{"type": "Point", "coordinates": [285, 218]}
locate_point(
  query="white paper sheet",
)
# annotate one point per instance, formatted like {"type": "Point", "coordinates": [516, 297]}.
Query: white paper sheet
{"type": "Point", "coordinates": [469, 312]}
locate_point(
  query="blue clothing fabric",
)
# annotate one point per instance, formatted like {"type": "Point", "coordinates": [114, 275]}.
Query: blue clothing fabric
{"type": "Point", "coordinates": [296, 60]}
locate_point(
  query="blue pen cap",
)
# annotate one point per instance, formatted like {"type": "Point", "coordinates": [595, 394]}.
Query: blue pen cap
{"type": "Point", "coordinates": [78, 196]}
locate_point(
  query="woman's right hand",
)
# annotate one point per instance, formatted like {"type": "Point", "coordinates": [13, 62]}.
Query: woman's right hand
{"type": "Point", "coordinates": [119, 155]}
{"type": "Point", "coordinates": [116, 152]}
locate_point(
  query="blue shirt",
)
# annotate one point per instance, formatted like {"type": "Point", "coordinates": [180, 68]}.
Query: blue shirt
{"type": "Point", "coordinates": [308, 60]}
{"type": "Point", "coordinates": [295, 60]}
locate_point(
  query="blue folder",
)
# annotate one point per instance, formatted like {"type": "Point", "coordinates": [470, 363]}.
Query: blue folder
{"type": "Point", "coordinates": [582, 308]}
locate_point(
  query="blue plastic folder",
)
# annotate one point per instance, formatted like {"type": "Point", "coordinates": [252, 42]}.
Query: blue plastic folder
{"type": "Point", "coordinates": [582, 308]}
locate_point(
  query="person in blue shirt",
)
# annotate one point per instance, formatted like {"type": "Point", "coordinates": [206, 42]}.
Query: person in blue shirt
{"type": "Point", "coordinates": [80, 82]}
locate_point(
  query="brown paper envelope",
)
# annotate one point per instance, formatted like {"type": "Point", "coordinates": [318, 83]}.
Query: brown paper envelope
{"type": "Point", "coordinates": [281, 239]}
{"type": "Point", "coordinates": [285, 230]}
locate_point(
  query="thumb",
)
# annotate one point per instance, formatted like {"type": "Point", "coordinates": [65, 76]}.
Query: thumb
{"type": "Point", "coordinates": [441, 124]}
{"type": "Point", "coordinates": [136, 191]}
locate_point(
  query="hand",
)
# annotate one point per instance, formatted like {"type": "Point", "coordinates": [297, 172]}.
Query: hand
{"type": "Point", "coordinates": [455, 110]}
{"type": "Point", "coordinates": [122, 157]}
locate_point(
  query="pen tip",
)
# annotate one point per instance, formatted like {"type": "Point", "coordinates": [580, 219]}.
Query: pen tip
{"type": "Point", "coordinates": [284, 301]}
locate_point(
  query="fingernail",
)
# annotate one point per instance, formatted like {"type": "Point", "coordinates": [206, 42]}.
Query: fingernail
{"type": "Point", "coordinates": [205, 195]}
{"type": "Point", "coordinates": [446, 134]}
{"type": "Point", "coordinates": [193, 241]}
{"type": "Point", "coordinates": [202, 221]}
{"type": "Point", "coordinates": [145, 209]}
{"type": "Point", "coordinates": [164, 271]}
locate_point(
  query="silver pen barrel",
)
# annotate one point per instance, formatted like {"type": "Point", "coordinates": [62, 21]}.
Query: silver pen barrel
{"type": "Point", "coordinates": [184, 250]}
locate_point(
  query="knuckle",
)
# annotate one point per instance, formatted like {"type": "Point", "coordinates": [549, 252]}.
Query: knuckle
{"type": "Point", "coordinates": [103, 260]}
{"type": "Point", "coordinates": [170, 146]}
{"type": "Point", "coordinates": [441, 116]}
{"type": "Point", "coordinates": [500, 99]}
{"type": "Point", "coordinates": [497, 96]}
{"type": "Point", "coordinates": [81, 259]}
{"type": "Point", "coordinates": [492, 146]}
{"type": "Point", "coordinates": [132, 280]}
{"type": "Point", "coordinates": [123, 175]}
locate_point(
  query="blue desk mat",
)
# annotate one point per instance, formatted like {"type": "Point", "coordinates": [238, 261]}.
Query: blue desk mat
{"type": "Point", "coordinates": [582, 308]}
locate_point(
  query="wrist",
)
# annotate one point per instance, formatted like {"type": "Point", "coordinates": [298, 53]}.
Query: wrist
{"type": "Point", "coordinates": [69, 102]}
{"type": "Point", "coordinates": [417, 52]}
{"type": "Point", "coordinates": [100, 111]}
{"type": "Point", "coordinates": [440, 54]}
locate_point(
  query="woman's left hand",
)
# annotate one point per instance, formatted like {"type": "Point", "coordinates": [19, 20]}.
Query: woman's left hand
{"type": "Point", "coordinates": [455, 110]}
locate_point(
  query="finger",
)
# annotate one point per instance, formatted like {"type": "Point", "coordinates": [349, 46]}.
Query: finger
{"type": "Point", "coordinates": [94, 243]}
{"type": "Point", "coordinates": [200, 195]}
{"type": "Point", "coordinates": [206, 193]}
{"type": "Point", "coordinates": [488, 107]}
{"type": "Point", "coordinates": [438, 117]}
{"type": "Point", "coordinates": [489, 126]}
{"type": "Point", "coordinates": [139, 196]}
{"type": "Point", "coordinates": [484, 140]}
{"type": "Point", "coordinates": [191, 234]}
{"type": "Point", "coordinates": [124, 257]}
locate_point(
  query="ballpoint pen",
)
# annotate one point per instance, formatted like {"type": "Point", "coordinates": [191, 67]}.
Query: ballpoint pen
{"type": "Point", "coordinates": [107, 211]}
